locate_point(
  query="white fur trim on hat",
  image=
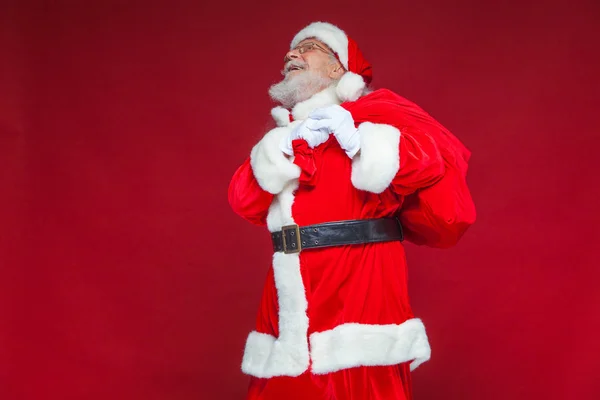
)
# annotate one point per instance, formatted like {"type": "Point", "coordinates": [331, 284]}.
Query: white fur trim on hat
{"type": "Point", "coordinates": [329, 34]}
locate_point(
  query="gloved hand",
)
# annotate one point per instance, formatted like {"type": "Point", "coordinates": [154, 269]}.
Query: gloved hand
{"type": "Point", "coordinates": [339, 121]}
{"type": "Point", "coordinates": [305, 130]}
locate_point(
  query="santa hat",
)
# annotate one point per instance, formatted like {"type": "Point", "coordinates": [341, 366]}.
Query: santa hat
{"type": "Point", "coordinates": [352, 84]}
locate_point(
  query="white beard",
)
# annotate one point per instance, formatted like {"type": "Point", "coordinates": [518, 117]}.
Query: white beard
{"type": "Point", "coordinates": [297, 88]}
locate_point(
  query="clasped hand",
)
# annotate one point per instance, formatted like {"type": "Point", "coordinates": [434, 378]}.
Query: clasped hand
{"type": "Point", "coordinates": [320, 124]}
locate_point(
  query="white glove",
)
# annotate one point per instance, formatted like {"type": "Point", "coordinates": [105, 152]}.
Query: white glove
{"type": "Point", "coordinates": [339, 121]}
{"type": "Point", "coordinates": [306, 131]}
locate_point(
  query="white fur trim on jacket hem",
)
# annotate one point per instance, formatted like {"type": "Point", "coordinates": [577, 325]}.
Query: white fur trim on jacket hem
{"type": "Point", "coordinates": [272, 169]}
{"type": "Point", "coordinates": [266, 356]}
{"type": "Point", "coordinates": [353, 345]}
{"type": "Point", "coordinates": [374, 168]}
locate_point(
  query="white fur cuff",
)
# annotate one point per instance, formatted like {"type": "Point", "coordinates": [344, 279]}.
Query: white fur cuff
{"type": "Point", "coordinates": [272, 169]}
{"type": "Point", "coordinates": [374, 168]}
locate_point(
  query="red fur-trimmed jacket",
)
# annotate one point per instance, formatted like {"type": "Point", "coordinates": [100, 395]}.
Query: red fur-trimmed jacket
{"type": "Point", "coordinates": [341, 307]}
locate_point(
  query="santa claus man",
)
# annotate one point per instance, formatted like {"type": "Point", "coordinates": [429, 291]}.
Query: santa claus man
{"type": "Point", "coordinates": [344, 178]}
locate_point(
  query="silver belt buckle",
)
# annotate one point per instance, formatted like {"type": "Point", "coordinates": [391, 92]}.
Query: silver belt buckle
{"type": "Point", "coordinates": [295, 245]}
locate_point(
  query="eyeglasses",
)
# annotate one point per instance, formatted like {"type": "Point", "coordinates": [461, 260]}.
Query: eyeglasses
{"type": "Point", "coordinates": [303, 48]}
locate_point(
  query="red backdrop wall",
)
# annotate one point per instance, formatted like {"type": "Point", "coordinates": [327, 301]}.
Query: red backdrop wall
{"type": "Point", "coordinates": [123, 272]}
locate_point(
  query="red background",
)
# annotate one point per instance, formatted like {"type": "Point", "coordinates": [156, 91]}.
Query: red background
{"type": "Point", "coordinates": [123, 272]}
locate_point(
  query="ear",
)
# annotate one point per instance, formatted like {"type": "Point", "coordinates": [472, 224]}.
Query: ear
{"type": "Point", "coordinates": [337, 71]}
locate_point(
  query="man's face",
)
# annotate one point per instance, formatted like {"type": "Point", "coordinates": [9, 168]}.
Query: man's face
{"type": "Point", "coordinates": [314, 56]}
{"type": "Point", "coordinates": [309, 68]}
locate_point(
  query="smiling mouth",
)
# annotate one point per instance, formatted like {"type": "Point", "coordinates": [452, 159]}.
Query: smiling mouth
{"type": "Point", "coordinates": [294, 68]}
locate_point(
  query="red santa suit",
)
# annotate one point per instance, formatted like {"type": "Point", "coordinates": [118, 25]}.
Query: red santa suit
{"type": "Point", "coordinates": [336, 323]}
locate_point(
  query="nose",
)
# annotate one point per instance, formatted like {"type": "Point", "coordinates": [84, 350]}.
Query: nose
{"type": "Point", "coordinates": [292, 55]}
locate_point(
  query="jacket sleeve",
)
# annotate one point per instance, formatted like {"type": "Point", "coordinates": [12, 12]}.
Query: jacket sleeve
{"type": "Point", "coordinates": [247, 198]}
{"type": "Point", "coordinates": [262, 176]}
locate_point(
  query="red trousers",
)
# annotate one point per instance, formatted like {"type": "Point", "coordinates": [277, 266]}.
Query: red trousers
{"type": "Point", "coordinates": [362, 383]}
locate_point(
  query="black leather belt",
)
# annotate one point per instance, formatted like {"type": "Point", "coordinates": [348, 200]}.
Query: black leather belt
{"type": "Point", "coordinates": [294, 238]}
